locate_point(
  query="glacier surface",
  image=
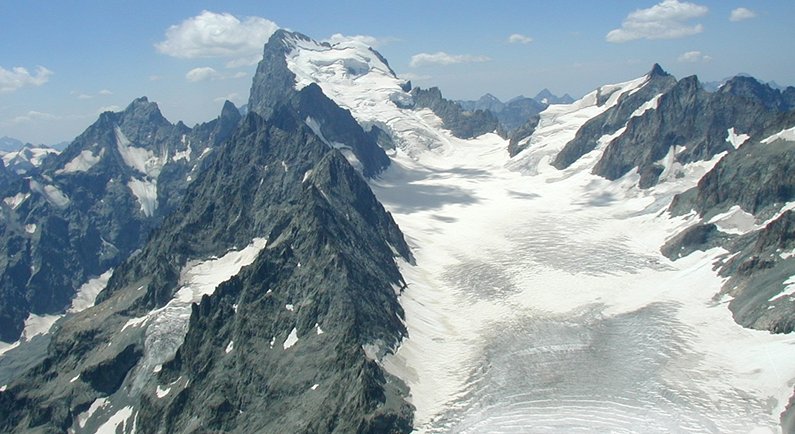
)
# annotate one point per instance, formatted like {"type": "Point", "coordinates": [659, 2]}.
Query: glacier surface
{"type": "Point", "coordinates": [540, 301]}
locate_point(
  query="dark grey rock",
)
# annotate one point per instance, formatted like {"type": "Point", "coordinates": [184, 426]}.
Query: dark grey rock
{"type": "Point", "coordinates": [523, 132]}
{"type": "Point", "coordinates": [461, 123]}
{"type": "Point", "coordinates": [273, 87]}
{"type": "Point", "coordinates": [330, 254]}
{"type": "Point", "coordinates": [102, 223]}
{"type": "Point", "coordinates": [698, 237]}
{"type": "Point", "coordinates": [757, 177]}
{"type": "Point", "coordinates": [613, 119]}
{"type": "Point", "coordinates": [695, 120]}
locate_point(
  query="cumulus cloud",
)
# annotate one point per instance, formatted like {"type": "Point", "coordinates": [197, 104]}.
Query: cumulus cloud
{"type": "Point", "coordinates": [517, 38]}
{"type": "Point", "coordinates": [214, 35]}
{"type": "Point", "coordinates": [740, 14]}
{"type": "Point", "coordinates": [18, 77]}
{"type": "Point", "coordinates": [666, 20]}
{"type": "Point", "coordinates": [202, 74]}
{"type": "Point", "coordinates": [442, 58]}
{"type": "Point", "coordinates": [693, 57]}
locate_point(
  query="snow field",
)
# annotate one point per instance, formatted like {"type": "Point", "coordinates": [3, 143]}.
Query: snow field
{"type": "Point", "coordinates": [540, 301]}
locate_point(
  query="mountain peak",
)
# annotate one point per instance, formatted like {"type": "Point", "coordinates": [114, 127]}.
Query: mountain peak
{"type": "Point", "coordinates": [489, 98]}
{"type": "Point", "coordinates": [143, 110]}
{"type": "Point", "coordinates": [657, 71]}
{"type": "Point", "coordinates": [229, 109]}
{"type": "Point", "coordinates": [287, 39]}
{"type": "Point", "coordinates": [544, 93]}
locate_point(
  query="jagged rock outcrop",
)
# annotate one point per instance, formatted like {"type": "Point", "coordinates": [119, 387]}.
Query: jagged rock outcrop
{"type": "Point", "coordinates": [85, 210]}
{"type": "Point", "coordinates": [757, 179]}
{"type": "Point", "coordinates": [545, 96]}
{"type": "Point", "coordinates": [327, 277]}
{"type": "Point", "coordinates": [461, 123]}
{"type": "Point", "coordinates": [302, 327]}
{"type": "Point", "coordinates": [524, 131]}
{"type": "Point", "coordinates": [693, 124]}
{"type": "Point", "coordinates": [757, 273]}
{"type": "Point", "coordinates": [614, 118]}
{"type": "Point", "coordinates": [510, 115]}
{"type": "Point", "coordinates": [273, 86]}
{"type": "Point", "coordinates": [698, 237]}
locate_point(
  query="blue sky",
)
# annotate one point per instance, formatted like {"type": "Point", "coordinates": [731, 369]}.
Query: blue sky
{"type": "Point", "coordinates": [62, 63]}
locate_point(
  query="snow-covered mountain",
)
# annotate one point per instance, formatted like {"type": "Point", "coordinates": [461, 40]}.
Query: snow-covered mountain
{"type": "Point", "coordinates": [359, 256]}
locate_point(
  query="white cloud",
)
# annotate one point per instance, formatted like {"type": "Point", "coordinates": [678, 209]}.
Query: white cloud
{"type": "Point", "coordinates": [666, 20]}
{"type": "Point", "coordinates": [517, 38]}
{"type": "Point", "coordinates": [207, 73]}
{"type": "Point", "coordinates": [234, 97]}
{"type": "Point", "coordinates": [222, 35]}
{"type": "Point", "coordinates": [108, 108]}
{"type": "Point", "coordinates": [155, 78]}
{"type": "Point", "coordinates": [414, 77]}
{"type": "Point", "coordinates": [18, 77]}
{"type": "Point", "coordinates": [368, 40]}
{"type": "Point", "coordinates": [740, 14]}
{"type": "Point", "coordinates": [442, 58]}
{"type": "Point", "coordinates": [105, 92]}
{"type": "Point", "coordinates": [84, 96]}
{"type": "Point", "coordinates": [693, 57]}
{"type": "Point", "coordinates": [202, 74]}
{"type": "Point", "coordinates": [32, 115]}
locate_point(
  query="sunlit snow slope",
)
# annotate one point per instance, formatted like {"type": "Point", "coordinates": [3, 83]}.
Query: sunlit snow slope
{"type": "Point", "coordinates": [359, 79]}
{"type": "Point", "coordinates": [539, 301]}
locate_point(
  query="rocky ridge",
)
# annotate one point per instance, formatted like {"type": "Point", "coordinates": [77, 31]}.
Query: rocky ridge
{"type": "Point", "coordinates": [85, 210]}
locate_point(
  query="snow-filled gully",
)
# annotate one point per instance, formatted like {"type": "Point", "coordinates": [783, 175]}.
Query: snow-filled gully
{"type": "Point", "coordinates": [540, 303]}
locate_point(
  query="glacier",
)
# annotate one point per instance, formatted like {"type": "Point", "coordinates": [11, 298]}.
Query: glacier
{"type": "Point", "coordinates": [540, 301]}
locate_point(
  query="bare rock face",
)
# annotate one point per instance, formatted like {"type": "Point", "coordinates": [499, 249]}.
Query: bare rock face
{"type": "Point", "coordinates": [85, 210]}
{"type": "Point", "coordinates": [694, 123]}
{"type": "Point", "coordinates": [290, 343]}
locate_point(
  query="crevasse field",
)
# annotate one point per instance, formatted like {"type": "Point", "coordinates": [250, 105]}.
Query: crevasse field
{"type": "Point", "coordinates": [539, 300]}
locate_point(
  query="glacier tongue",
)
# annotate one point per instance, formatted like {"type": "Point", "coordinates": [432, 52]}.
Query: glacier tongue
{"type": "Point", "coordinates": [540, 300]}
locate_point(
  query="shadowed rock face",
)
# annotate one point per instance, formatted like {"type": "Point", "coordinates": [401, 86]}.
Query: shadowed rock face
{"type": "Point", "coordinates": [79, 215]}
{"type": "Point", "coordinates": [614, 118]}
{"type": "Point", "coordinates": [695, 123]}
{"type": "Point", "coordinates": [288, 344]}
{"type": "Point", "coordinates": [461, 123]}
{"type": "Point", "coordinates": [757, 177]}
{"type": "Point", "coordinates": [273, 86]}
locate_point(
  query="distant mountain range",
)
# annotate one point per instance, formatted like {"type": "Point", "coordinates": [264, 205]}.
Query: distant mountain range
{"type": "Point", "coordinates": [515, 112]}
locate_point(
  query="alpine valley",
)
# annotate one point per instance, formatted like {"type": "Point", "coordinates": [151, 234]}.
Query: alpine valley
{"type": "Point", "coordinates": [355, 255]}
